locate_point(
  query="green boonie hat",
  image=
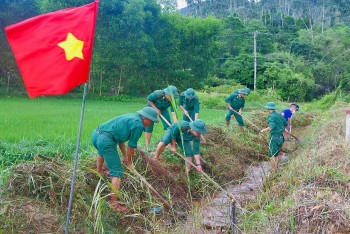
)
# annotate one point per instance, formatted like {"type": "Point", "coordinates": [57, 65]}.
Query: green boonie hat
{"type": "Point", "coordinates": [247, 90]}
{"type": "Point", "coordinates": [242, 91]}
{"type": "Point", "coordinates": [271, 106]}
{"type": "Point", "coordinates": [190, 94]}
{"type": "Point", "coordinates": [199, 126]}
{"type": "Point", "coordinates": [171, 89]}
{"type": "Point", "coordinates": [149, 113]}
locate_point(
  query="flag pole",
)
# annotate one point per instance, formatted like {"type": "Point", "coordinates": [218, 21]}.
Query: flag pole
{"type": "Point", "coordinates": [76, 159]}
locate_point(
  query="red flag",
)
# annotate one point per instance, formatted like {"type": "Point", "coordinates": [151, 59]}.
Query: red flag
{"type": "Point", "coordinates": [53, 51]}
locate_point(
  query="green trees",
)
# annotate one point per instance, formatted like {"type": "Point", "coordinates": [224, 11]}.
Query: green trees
{"type": "Point", "coordinates": [11, 11]}
{"type": "Point", "coordinates": [302, 47]}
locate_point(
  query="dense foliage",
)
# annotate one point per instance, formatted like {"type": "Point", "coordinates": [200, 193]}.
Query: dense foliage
{"type": "Point", "coordinates": [302, 47]}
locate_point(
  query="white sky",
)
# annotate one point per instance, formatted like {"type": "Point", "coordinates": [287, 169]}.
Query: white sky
{"type": "Point", "coordinates": [181, 4]}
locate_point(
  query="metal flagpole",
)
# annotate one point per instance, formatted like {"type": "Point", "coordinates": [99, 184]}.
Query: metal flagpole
{"type": "Point", "coordinates": [76, 160]}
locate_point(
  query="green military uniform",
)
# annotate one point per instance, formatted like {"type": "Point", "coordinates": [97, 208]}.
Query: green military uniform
{"type": "Point", "coordinates": [124, 128]}
{"type": "Point", "coordinates": [277, 124]}
{"type": "Point", "coordinates": [236, 103]}
{"type": "Point", "coordinates": [159, 100]}
{"type": "Point", "coordinates": [174, 133]}
{"type": "Point", "coordinates": [191, 106]}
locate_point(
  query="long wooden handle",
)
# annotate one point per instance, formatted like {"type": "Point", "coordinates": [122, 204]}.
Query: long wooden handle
{"type": "Point", "coordinates": [165, 120]}
{"type": "Point", "coordinates": [248, 120]}
{"type": "Point", "coordinates": [154, 191]}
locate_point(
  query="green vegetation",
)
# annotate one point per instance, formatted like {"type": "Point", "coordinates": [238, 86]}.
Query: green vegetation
{"type": "Point", "coordinates": [49, 126]}
{"type": "Point", "coordinates": [302, 53]}
{"type": "Point", "coordinates": [44, 183]}
{"type": "Point", "coordinates": [301, 47]}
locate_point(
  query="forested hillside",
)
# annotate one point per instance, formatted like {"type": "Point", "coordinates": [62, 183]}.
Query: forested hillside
{"type": "Point", "coordinates": [300, 48]}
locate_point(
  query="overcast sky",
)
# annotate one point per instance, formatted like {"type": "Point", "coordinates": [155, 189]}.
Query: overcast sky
{"type": "Point", "coordinates": [181, 4]}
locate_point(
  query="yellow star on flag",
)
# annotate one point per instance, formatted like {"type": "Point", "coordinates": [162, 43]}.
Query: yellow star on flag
{"type": "Point", "coordinates": [72, 47]}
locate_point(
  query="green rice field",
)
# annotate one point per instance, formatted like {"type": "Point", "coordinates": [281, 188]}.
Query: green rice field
{"type": "Point", "coordinates": [49, 125]}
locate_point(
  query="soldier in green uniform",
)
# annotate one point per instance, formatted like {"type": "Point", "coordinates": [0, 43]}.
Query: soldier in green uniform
{"type": "Point", "coordinates": [189, 104]}
{"type": "Point", "coordinates": [128, 127]}
{"type": "Point", "coordinates": [191, 132]}
{"type": "Point", "coordinates": [235, 104]}
{"type": "Point", "coordinates": [277, 124]}
{"type": "Point", "coordinates": [160, 100]}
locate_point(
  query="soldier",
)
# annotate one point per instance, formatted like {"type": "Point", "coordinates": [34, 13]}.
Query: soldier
{"type": "Point", "coordinates": [128, 127]}
{"type": "Point", "coordinates": [276, 127]}
{"type": "Point", "coordinates": [189, 104]}
{"type": "Point", "coordinates": [235, 104]}
{"type": "Point", "coordinates": [160, 100]}
{"type": "Point", "coordinates": [191, 132]}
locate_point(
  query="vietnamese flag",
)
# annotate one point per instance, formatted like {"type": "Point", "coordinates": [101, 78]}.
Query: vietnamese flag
{"type": "Point", "coordinates": [53, 51]}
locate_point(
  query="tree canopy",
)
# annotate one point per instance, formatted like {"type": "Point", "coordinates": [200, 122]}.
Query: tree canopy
{"type": "Point", "coordinates": [302, 47]}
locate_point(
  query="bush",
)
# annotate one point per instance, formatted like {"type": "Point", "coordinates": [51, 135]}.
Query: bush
{"type": "Point", "coordinates": [223, 89]}
{"type": "Point", "coordinates": [212, 100]}
{"type": "Point", "coordinates": [326, 101]}
{"type": "Point", "coordinates": [120, 98]}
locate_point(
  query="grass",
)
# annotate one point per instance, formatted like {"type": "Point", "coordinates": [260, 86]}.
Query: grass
{"type": "Point", "coordinates": [49, 126]}
{"type": "Point", "coordinates": [54, 119]}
